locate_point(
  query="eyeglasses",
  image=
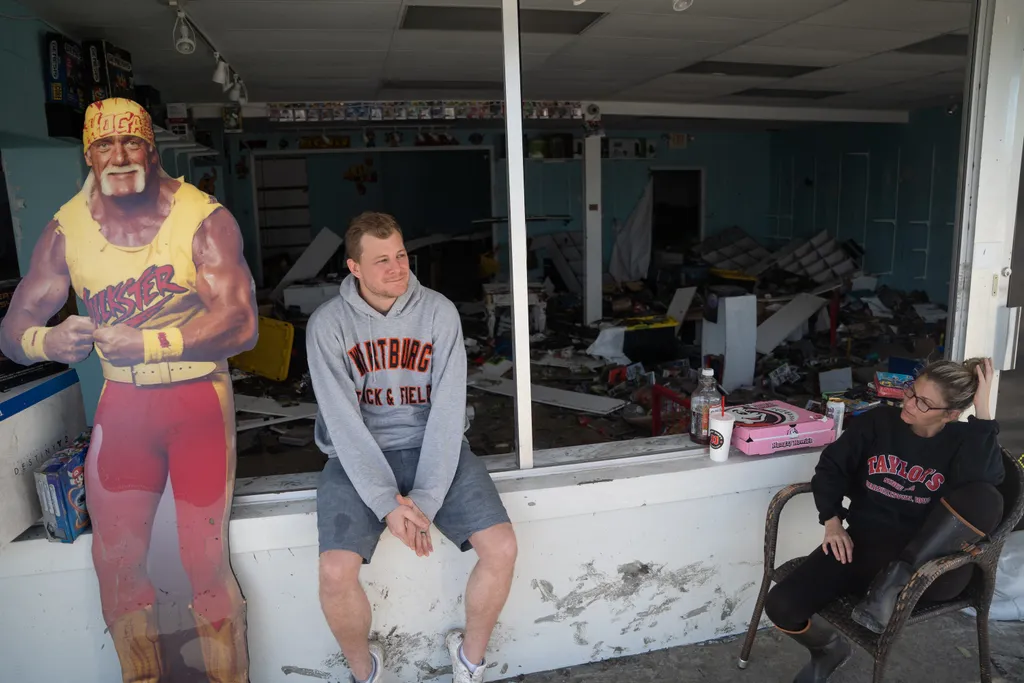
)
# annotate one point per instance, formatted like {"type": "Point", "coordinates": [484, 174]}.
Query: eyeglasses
{"type": "Point", "coordinates": [920, 402]}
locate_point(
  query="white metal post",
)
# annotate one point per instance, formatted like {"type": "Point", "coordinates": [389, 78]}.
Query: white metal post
{"type": "Point", "coordinates": [981, 324]}
{"type": "Point", "coordinates": [517, 231]}
{"type": "Point", "coordinates": [593, 233]}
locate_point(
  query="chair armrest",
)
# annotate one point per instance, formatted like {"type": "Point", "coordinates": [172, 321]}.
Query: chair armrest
{"type": "Point", "coordinates": [771, 524]}
{"type": "Point", "coordinates": [924, 577]}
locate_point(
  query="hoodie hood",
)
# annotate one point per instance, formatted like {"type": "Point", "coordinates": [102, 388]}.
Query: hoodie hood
{"type": "Point", "coordinates": [349, 291]}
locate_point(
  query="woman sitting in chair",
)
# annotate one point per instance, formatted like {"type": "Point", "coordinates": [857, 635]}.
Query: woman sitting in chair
{"type": "Point", "coordinates": [921, 485]}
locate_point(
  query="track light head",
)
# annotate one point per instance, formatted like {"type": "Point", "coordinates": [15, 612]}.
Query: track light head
{"type": "Point", "coordinates": [221, 72]}
{"type": "Point", "coordinates": [184, 35]}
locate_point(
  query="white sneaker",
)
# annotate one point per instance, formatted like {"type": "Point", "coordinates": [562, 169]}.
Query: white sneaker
{"type": "Point", "coordinates": [460, 672]}
{"type": "Point", "coordinates": [377, 653]}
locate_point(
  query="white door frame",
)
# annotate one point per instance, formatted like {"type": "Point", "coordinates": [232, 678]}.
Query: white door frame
{"type": "Point", "coordinates": [990, 164]}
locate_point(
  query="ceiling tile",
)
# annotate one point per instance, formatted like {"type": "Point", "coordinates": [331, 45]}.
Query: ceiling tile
{"type": "Point", "coordinates": [356, 16]}
{"type": "Point", "coordinates": [289, 65]}
{"type": "Point", "coordinates": [233, 42]}
{"type": "Point", "coordinates": [767, 54]}
{"type": "Point", "coordinates": [948, 44]}
{"type": "Point", "coordinates": [926, 64]}
{"type": "Point", "coordinates": [475, 41]}
{"type": "Point", "coordinates": [682, 26]}
{"type": "Point", "coordinates": [617, 54]}
{"type": "Point", "coordinates": [764, 10]}
{"type": "Point", "coordinates": [449, 65]}
{"type": "Point", "coordinates": [446, 65]}
{"type": "Point", "coordinates": [67, 13]}
{"type": "Point", "coordinates": [716, 68]}
{"type": "Point", "coordinates": [418, 17]}
{"type": "Point", "coordinates": [768, 101]}
{"type": "Point", "coordinates": [839, 38]}
{"type": "Point", "coordinates": [696, 84]}
{"type": "Point", "coordinates": [919, 16]}
{"type": "Point", "coordinates": [850, 77]}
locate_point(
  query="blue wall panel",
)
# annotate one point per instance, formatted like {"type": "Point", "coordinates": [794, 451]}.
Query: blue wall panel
{"type": "Point", "coordinates": [908, 173]}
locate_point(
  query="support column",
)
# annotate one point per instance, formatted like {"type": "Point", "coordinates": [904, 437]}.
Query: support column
{"type": "Point", "coordinates": [593, 233]}
{"type": "Point", "coordinates": [517, 232]}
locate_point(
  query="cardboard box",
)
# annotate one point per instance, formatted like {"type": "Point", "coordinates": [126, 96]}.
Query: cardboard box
{"type": "Point", "coordinates": [60, 485]}
{"type": "Point", "coordinates": [64, 76]}
{"type": "Point", "coordinates": [772, 426]}
{"type": "Point", "coordinates": [108, 71]}
{"type": "Point", "coordinates": [891, 384]}
{"type": "Point", "coordinates": [37, 420]}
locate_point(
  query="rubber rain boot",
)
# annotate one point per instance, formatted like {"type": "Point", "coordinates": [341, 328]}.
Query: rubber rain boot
{"type": "Point", "coordinates": [828, 651]}
{"type": "Point", "coordinates": [944, 532]}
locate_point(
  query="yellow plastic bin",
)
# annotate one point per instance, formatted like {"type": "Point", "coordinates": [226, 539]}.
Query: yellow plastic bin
{"type": "Point", "coordinates": [272, 355]}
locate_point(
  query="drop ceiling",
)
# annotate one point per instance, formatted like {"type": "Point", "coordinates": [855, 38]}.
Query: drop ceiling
{"type": "Point", "coordinates": [873, 54]}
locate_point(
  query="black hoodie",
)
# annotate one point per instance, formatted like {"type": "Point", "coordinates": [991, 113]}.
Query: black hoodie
{"type": "Point", "coordinates": [893, 477]}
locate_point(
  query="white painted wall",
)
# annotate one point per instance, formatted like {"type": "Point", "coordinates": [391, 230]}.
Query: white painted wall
{"type": "Point", "coordinates": [630, 556]}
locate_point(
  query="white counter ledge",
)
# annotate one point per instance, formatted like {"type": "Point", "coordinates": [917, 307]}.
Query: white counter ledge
{"type": "Point", "coordinates": [618, 555]}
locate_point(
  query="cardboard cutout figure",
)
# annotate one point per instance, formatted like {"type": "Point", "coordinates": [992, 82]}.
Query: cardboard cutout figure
{"type": "Point", "coordinates": [169, 297]}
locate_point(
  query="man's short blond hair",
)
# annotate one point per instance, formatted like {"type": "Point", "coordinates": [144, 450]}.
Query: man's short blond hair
{"type": "Point", "coordinates": [379, 225]}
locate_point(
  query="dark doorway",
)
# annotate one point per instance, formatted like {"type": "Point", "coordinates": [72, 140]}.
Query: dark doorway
{"type": "Point", "coordinates": [678, 208]}
{"type": "Point", "coordinates": [8, 248]}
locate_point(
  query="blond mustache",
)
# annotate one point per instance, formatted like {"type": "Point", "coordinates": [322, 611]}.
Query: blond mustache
{"type": "Point", "coordinates": [137, 169]}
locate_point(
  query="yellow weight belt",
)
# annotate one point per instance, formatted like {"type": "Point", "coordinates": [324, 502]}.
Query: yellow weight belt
{"type": "Point", "coordinates": [151, 374]}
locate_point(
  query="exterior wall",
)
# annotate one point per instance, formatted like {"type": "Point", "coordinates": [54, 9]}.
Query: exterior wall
{"type": "Point", "coordinates": [617, 559]}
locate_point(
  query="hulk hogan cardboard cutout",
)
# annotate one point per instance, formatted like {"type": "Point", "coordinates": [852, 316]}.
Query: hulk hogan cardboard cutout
{"type": "Point", "coordinates": [169, 297]}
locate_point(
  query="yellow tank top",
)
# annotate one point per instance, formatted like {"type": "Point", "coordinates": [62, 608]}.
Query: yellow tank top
{"type": "Point", "coordinates": [147, 287]}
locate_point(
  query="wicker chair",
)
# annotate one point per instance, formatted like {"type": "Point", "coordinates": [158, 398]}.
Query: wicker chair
{"type": "Point", "coordinates": [977, 595]}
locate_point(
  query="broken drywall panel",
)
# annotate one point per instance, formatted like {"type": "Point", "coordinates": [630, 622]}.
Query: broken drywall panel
{"type": "Point", "coordinates": [680, 305]}
{"type": "Point", "coordinates": [573, 400]}
{"type": "Point", "coordinates": [563, 264]}
{"type": "Point", "coordinates": [930, 313]}
{"type": "Point", "coordinates": [267, 420]}
{"type": "Point", "coordinates": [609, 345]}
{"type": "Point", "coordinates": [570, 363]}
{"type": "Point", "coordinates": [864, 283]}
{"type": "Point", "coordinates": [496, 366]}
{"type": "Point", "coordinates": [268, 406]}
{"type": "Point", "coordinates": [878, 309]}
{"type": "Point", "coordinates": [309, 264]}
{"type": "Point", "coordinates": [772, 331]}
{"type": "Point", "coordinates": [733, 338]}
{"type": "Point", "coordinates": [835, 381]}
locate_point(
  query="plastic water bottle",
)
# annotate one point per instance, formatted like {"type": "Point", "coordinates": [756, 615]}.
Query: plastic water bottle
{"type": "Point", "coordinates": [702, 402]}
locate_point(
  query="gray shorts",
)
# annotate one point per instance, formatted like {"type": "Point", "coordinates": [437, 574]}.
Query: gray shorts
{"type": "Point", "coordinates": [344, 522]}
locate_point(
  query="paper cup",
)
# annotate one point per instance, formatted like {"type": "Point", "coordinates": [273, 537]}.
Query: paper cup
{"type": "Point", "coordinates": [720, 430]}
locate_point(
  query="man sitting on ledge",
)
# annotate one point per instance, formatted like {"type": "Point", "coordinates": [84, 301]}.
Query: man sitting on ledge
{"type": "Point", "coordinates": [388, 365]}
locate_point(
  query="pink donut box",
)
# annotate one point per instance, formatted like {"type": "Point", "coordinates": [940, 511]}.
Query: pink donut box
{"type": "Point", "coordinates": [771, 426]}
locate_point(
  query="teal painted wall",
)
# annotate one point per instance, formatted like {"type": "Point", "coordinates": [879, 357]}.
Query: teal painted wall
{"type": "Point", "coordinates": [21, 63]}
{"type": "Point", "coordinates": [42, 173]}
{"type": "Point", "coordinates": [736, 173]}
{"type": "Point", "coordinates": [890, 188]}
{"type": "Point", "coordinates": [736, 166]}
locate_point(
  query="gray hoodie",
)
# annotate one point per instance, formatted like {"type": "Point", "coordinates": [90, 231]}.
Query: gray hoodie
{"type": "Point", "coordinates": [390, 382]}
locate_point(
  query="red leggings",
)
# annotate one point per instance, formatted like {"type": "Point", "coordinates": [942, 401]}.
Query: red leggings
{"type": "Point", "coordinates": [141, 435]}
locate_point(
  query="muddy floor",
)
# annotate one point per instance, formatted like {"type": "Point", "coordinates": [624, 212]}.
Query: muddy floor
{"type": "Point", "coordinates": [944, 650]}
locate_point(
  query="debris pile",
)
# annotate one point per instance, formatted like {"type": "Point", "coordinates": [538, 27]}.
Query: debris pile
{"type": "Point", "coordinates": [800, 325]}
